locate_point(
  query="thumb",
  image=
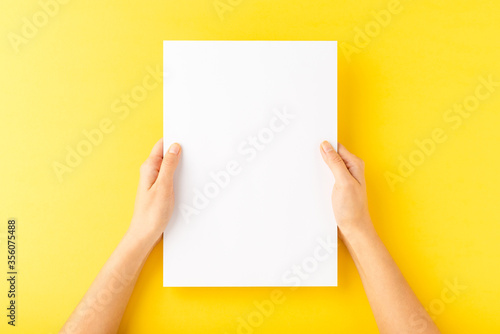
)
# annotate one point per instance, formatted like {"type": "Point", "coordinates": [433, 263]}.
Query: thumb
{"type": "Point", "coordinates": [334, 162]}
{"type": "Point", "coordinates": [169, 163]}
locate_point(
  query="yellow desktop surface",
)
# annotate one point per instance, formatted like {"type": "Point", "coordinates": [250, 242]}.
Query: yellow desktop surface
{"type": "Point", "coordinates": [419, 101]}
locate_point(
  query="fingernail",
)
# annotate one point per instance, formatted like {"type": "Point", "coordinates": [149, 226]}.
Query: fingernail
{"type": "Point", "coordinates": [327, 147]}
{"type": "Point", "coordinates": [174, 148]}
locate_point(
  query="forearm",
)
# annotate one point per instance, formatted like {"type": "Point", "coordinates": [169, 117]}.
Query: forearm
{"type": "Point", "coordinates": [393, 303]}
{"type": "Point", "coordinates": [102, 307]}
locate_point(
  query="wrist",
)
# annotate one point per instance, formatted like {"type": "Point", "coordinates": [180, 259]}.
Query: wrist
{"type": "Point", "coordinates": [359, 234]}
{"type": "Point", "coordinates": [140, 240]}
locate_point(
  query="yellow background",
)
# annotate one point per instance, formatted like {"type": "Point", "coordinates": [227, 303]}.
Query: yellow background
{"type": "Point", "coordinates": [441, 224]}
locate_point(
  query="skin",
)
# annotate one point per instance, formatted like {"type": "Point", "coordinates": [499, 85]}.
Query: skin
{"type": "Point", "coordinates": [395, 306]}
{"type": "Point", "coordinates": [393, 303]}
{"type": "Point", "coordinates": [102, 307]}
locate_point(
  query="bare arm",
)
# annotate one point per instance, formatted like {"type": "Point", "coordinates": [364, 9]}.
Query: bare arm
{"type": "Point", "coordinates": [392, 301]}
{"type": "Point", "coordinates": [102, 307]}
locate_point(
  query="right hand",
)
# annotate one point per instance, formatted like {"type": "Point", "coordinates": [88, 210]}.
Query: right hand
{"type": "Point", "coordinates": [349, 201]}
{"type": "Point", "coordinates": [154, 202]}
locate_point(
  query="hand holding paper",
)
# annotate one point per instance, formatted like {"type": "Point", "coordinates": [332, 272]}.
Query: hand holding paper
{"type": "Point", "coordinates": [154, 203]}
{"type": "Point", "coordinates": [349, 201]}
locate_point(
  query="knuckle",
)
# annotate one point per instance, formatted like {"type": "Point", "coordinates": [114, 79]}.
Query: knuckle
{"type": "Point", "coordinates": [347, 184]}
{"type": "Point", "coordinates": [335, 158]}
{"type": "Point", "coordinates": [167, 190]}
{"type": "Point", "coordinates": [169, 161]}
{"type": "Point", "coordinates": [352, 183]}
{"type": "Point", "coordinates": [144, 167]}
{"type": "Point", "coordinates": [155, 161]}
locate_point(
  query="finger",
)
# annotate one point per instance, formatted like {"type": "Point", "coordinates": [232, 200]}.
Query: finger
{"type": "Point", "coordinates": [157, 150]}
{"type": "Point", "coordinates": [354, 164]}
{"type": "Point", "coordinates": [169, 164]}
{"type": "Point", "coordinates": [334, 162]}
{"type": "Point", "coordinates": [151, 167]}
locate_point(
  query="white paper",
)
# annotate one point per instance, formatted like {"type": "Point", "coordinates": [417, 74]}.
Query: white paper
{"type": "Point", "coordinates": [269, 221]}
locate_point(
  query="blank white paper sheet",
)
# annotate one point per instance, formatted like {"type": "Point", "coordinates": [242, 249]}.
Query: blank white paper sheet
{"type": "Point", "coordinates": [252, 193]}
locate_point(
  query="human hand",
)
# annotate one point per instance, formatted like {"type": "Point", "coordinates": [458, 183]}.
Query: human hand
{"type": "Point", "coordinates": [154, 202]}
{"type": "Point", "coordinates": [349, 201]}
